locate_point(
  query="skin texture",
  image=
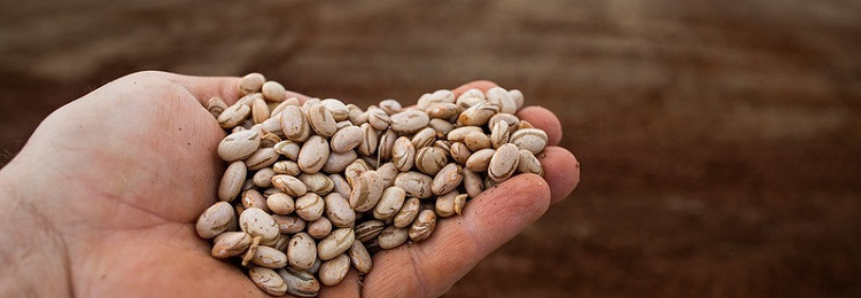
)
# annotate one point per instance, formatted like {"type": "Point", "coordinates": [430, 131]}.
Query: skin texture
{"type": "Point", "coordinates": [102, 201]}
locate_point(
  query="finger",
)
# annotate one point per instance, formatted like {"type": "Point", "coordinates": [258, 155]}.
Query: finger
{"type": "Point", "coordinates": [561, 171]}
{"type": "Point", "coordinates": [430, 268]}
{"type": "Point", "coordinates": [482, 85]}
{"type": "Point", "coordinates": [545, 120]}
{"type": "Point", "coordinates": [347, 288]}
{"type": "Point", "coordinates": [204, 88]}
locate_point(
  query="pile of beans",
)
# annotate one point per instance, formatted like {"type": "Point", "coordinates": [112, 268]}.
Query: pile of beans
{"type": "Point", "coordinates": [322, 185]}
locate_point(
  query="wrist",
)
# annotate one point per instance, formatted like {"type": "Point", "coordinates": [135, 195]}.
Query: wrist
{"type": "Point", "coordinates": [35, 260]}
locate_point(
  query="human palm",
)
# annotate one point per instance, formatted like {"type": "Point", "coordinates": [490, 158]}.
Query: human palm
{"type": "Point", "coordinates": [121, 175]}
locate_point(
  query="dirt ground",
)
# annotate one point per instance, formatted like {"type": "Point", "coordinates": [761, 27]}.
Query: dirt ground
{"type": "Point", "coordinates": [719, 140]}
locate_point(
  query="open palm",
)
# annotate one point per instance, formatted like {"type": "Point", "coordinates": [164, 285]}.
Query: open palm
{"type": "Point", "coordinates": [120, 176]}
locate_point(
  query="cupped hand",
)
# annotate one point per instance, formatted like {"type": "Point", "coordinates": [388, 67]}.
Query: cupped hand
{"type": "Point", "coordinates": [104, 196]}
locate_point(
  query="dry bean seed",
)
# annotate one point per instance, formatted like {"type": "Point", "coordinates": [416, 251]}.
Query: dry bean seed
{"type": "Point", "coordinates": [503, 163]}
{"type": "Point", "coordinates": [238, 145]}
{"type": "Point", "coordinates": [215, 220]}
{"type": "Point", "coordinates": [408, 213]}
{"type": "Point", "coordinates": [333, 271]}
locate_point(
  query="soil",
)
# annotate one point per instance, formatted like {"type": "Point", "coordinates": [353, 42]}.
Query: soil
{"type": "Point", "coordinates": [719, 141]}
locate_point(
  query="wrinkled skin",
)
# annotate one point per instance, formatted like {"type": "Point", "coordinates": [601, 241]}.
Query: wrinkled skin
{"type": "Point", "coordinates": [102, 201]}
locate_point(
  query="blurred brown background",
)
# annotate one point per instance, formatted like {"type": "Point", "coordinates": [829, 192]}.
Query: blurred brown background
{"type": "Point", "coordinates": [719, 141]}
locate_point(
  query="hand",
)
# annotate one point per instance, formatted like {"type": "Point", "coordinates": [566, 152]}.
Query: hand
{"type": "Point", "coordinates": [103, 198]}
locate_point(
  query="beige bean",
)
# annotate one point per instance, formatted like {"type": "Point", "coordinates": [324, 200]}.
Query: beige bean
{"type": "Point", "coordinates": [430, 160]}
{"type": "Point", "coordinates": [424, 138]}
{"type": "Point", "coordinates": [257, 222]}
{"type": "Point", "coordinates": [216, 106]}
{"type": "Point", "coordinates": [280, 203]}
{"type": "Point", "coordinates": [387, 141]}
{"type": "Point", "coordinates": [499, 134]}
{"type": "Point", "coordinates": [460, 203]}
{"type": "Point", "coordinates": [263, 177]}
{"type": "Point", "coordinates": [231, 181]}
{"type": "Point", "coordinates": [442, 110]}
{"type": "Point", "coordinates": [273, 125]}
{"type": "Point", "coordinates": [390, 203]}
{"type": "Point", "coordinates": [339, 212]}
{"type": "Point", "coordinates": [252, 198]}
{"type": "Point", "coordinates": [392, 237]}
{"type": "Point", "coordinates": [472, 183]}
{"type": "Point", "coordinates": [281, 243]}
{"type": "Point", "coordinates": [531, 139]}
{"type": "Point", "coordinates": [354, 170]}
{"type": "Point", "coordinates": [252, 249]}
{"type": "Point", "coordinates": [338, 162]}
{"type": "Point", "coordinates": [288, 148]}
{"type": "Point", "coordinates": [341, 186]}
{"type": "Point", "coordinates": [259, 110]}
{"type": "Point", "coordinates": [268, 140]}
{"type": "Point", "coordinates": [517, 97]}
{"type": "Point", "coordinates": [403, 154]}
{"type": "Point", "coordinates": [378, 119]}
{"type": "Point", "coordinates": [313, 155]}
{"type": "Point", "coordinates": [229, 244]}
{"type": "Point", "coordinates": [391, 106]}
{"type": "Point", "coordinates": [423, 227]}
{"type": "Point", "coordinates": [476, 141]}
{"type": "Point", "coordinates": [238, 145]}
{"type": "Point", "coordinates": [503, 163]}
{"type": "Point", "coordinates": [289, 185]}
{"type": "Point", "coordinates": [310, 206]}
{"type": "Point", "coordinates": [369, 141]}
{"type": "Point", "coordinates": [346, 139]}
{"type": "Point", "coordinates": [501, 97]}
{"type": "Point", "coordinates": [286, 167]}
{"type": "Point", "coordinates": [459, 153]}
{"type": "Point", "coordinates": [339, 110]}
{"type": "Point", "coordinates": [215, 220]}
{"type": "Point", "coordinates": [523, 124]}
{"type": "Point", "coordinates": [360, 257]}
{"type": "Point", "coordinates": [273, 91]}
{"type": "Point", "coordinates": [366, 192]}
{"type": "Point", "coordinates": [480, 160]}
{"type": "Point", "coordinates": [316, 267]}
{"type": "Point", "coordinates": [233, 116]}
{"type": "Point", "coordinates": [441, 127]}
{"type": "Point", "coordinates": [294, 124]}
{"type": "Point", "coordinates": [509, 119]}
{"type": "Point", "coordinates": [409, 121]}
{"type": "Point", "coordinates": [301, 251]}
{"type": "Point", "coordinates": [442, 95]}
{"type": "Point", "coordinates": [444, 204]}
{"type": "Point", "coordinates": [415, 184]}
{"type": "Point", "coordinates": [300, 283]}
{"type": "Point", "coordinates": [334, 270]}
{"type": "Point", "coordinates": [355, 112]}
{"type": "Point", "coordinates": [459, 134]}
{"type": "Point", "coordinates": [408, 213]}
{"type": "Point", "coordinates": [261, 158]}
{"type": "Point", "coordinates": [289, 224]}
{"type": "Point", "coordinates": [320, 228]}
{"type": "Point", "coordinates": [251, 83]}
{"type": "Point", "coordinates": [388, 172]}
{"type": "Point", "coordinates": [528, 163]}
{"type": "Point", "coordinates": [443, 145]}
{"type": "Point", "coordinates": [478, 114]}
{"type": "Point", "coordinates": [321, 120]}
{"type": "Point", "coordinates": [338, 242]}
{"type": "Point", "coordinates": [269, 257]}
{"type": "Point", "coordinates": [276, 112]}
{"type": "Point", "coordinates": [447, 179]}
{"type": "Point", "coordinates": [470, 98]}
{"type": "Point", "coordinates": [317, 183]}
{"type": "Point", "coordinates": [267, 280]}
{"type": "Point", "coordinates": [368, 230]}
